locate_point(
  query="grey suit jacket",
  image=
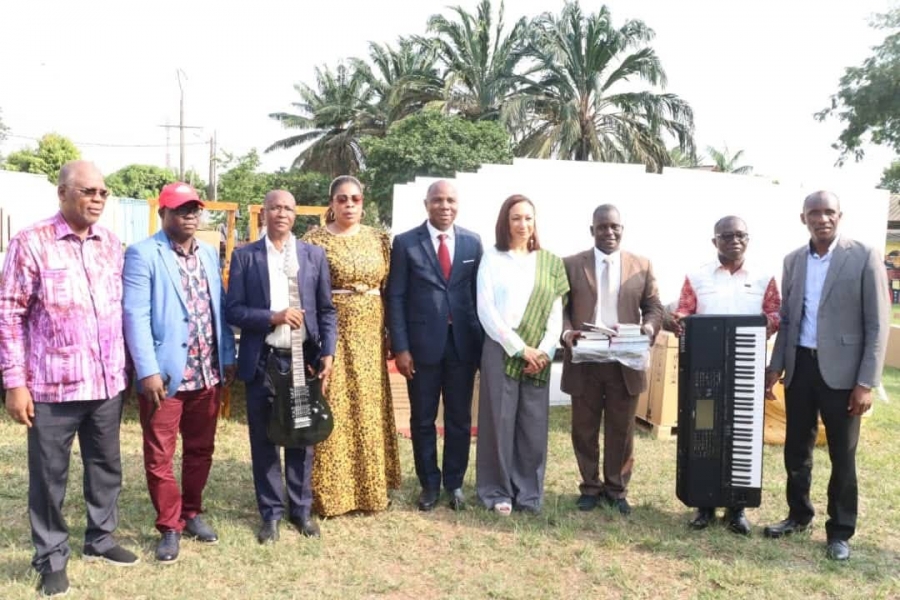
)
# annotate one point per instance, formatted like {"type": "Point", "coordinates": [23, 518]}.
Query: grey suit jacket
{"type": "Point", "coordinates": [853, 320]}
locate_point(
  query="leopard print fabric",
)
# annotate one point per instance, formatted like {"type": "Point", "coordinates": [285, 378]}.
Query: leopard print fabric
{"type": "Point", "coordinates": [356, 466]}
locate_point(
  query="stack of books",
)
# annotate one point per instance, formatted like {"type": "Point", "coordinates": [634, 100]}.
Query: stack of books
{"type": "Point", "coordinates": [624, 344]}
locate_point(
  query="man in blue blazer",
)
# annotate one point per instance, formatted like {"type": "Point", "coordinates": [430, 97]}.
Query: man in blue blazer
{"type": "Point", "coordinates": [436, 338]}
{"type": "Point", "coordinates": [183, 352]}
{"type": "Point", "coordinates": [257, 303]}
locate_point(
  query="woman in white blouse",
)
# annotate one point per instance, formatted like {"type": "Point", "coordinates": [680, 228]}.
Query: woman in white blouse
{"type": "Point", "coordinates": [520, 293]}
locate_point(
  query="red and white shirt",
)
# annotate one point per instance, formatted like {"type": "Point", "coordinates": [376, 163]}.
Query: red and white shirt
{"type": "Point", "coordinates": [713, 289]}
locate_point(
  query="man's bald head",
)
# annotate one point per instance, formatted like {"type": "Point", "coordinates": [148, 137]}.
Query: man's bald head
{"type": "Point", "coordinates": [822, 198]}
{"type": "Point", "coordinates": [729, 223]}
{"type": "Point", "coordinates": [275, 195]}
{"type": "Point", "coordinates": [441, 204]}
{"type": "Point", "coordinates": [77, 168]}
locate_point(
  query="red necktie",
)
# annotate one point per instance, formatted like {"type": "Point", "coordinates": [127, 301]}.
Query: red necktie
{"type": "Point", "coordinates": [444, 256]}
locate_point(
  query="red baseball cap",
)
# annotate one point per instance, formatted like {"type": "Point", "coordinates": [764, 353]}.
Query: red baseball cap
{"type": "Point", "coordinates": [175, 194]}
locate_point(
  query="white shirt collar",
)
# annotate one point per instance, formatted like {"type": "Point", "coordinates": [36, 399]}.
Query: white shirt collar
{"type": "Point", "coordinates": [434, 231]}
{"type": "Point", "coordinates": [271, 247]}
{"type": "Point", "coordinates": [613, 257]}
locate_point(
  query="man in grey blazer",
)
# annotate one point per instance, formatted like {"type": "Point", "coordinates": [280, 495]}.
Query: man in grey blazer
{"type": "Point", "coordinates": [835, 317]}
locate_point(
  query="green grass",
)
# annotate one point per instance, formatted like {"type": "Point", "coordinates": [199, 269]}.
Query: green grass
{"type": "Point", "coordinates": [406, 554]}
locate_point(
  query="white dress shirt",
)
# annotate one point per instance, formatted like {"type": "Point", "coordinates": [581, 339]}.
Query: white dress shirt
{"type": "Point", "coordinates": [615, 271]}
{"type": "Point", "coordinates": [816, 271]}
{"type": "Point", "coordinates": [450, 240]}
{"type": "Point", "coordinates": [720, 292]}
{"type": "Point", "coordinates": [504, 284]}
{"type": "Point", "coordinates": [279, 297]}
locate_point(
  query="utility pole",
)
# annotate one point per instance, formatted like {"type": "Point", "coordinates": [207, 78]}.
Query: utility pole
{"type": "Point", "coordinates": [211, 193]}
{"type": "Point", "coordinates": [181, 126]}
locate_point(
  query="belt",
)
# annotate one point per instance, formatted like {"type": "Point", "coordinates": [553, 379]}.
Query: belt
{"type": "Point", "coordinates": [370, 292]}
{"type": "Point", "coordinates": [811, 351]}
{"type": "Point", "coordinates": [285, 352]}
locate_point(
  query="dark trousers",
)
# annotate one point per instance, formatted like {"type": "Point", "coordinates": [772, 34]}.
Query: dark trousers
{"type": "Point", "coordinates": [805, 399]}
{"type": "Point", "coordinates": [608, 395]}
{"type": "Point", "coordinates": [266, 457]}
{"type": "Point", "coordinates": [454, 378]}
{"type": "Point", "coordinates": [96, 422]}
{"type": "Point", "coordinates": [194, 414]}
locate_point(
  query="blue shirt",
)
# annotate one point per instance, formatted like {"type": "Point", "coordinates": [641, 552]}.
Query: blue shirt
{"type": "Point", "coordinates": [816, 271]}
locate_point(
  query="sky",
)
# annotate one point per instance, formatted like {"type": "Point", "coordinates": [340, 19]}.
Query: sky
{"type": "Point", "coordinates": [103, 73]}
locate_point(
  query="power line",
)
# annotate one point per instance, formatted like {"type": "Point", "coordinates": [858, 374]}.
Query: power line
{"type": "Point", "coordinates": [106, 145]}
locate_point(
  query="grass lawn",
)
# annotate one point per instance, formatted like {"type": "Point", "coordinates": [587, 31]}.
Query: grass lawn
{"type": "Point", "coordinates": [406, 554]}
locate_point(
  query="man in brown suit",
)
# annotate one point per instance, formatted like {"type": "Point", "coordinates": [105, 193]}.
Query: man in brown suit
{"type": "Point", "coordinates": [609, 286]}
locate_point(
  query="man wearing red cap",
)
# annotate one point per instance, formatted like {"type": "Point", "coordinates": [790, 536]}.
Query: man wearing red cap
{"type": "Point", "coordinates": [183, 352]}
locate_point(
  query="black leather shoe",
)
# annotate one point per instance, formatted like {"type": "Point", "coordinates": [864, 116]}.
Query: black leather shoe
{"type": "Point", "coordinates": [457, 499]}
{"type": "Point", "coordinates": [168, 547]}
{"type": "Point", "coordinates": [586, 502]}
{"type": "Point", "coordinates": [737, 521]}
{"type": "Point", "coordinates": [197, 529]}
{"type": "Point", "coordinates": [620, 504]}
{"type": "Point", "coordinates": [702, 518]}
{"type": "Point", "coordinates": [268, 532]}
{"type": "Point", "coordinates": [54, 584]}
{"type": "Point", "coordinates": [838, 550]}
{"type": "Point", "coordinates": [786, 527]}
{"type": "Point", "coordinates": [307, 527]}
{"type": "Point", "coordinates": [428, 499]}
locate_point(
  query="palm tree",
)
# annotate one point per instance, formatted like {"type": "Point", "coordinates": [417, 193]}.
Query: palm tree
{"type": "Point", "coordinates": [404, 80]}
{"type": "Point", "coordinates": [677, 158]}
{"type": "Point", "coordinates": [576, 109]}
{"type": "Point", "coordinates": [480, 60]}
{"type": "Point", "coordinates": [727, 163]}
{"type": "Point", "coordinates": [332, 118]}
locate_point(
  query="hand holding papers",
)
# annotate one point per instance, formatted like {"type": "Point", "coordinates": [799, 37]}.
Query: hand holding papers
{"type": "Point", "coordinates": [623, 343]}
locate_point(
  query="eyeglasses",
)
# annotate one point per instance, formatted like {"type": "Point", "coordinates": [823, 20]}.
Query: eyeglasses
{"type": "Point", "coordinates": [730, 236]}
{"type": "Point", "coordinates": [187, 210]}
{"type": "Point", "coordinates": [91, 192]}
{"type": "Point", "coordinates": [344, 198]}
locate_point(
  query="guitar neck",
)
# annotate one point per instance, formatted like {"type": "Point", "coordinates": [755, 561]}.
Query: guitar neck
{"type": "Point", "coordinates": [297, 364]}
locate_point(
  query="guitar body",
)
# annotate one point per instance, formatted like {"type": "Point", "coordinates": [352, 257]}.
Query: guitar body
{"type": "Point", "coordinates": [300, 415]}
{"type": "Point", "coordinates": [286, 399]}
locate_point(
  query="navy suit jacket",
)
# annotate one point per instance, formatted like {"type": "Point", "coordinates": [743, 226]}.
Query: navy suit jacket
{"type": "Point", "coordinates": [421, 301]}
{"type": "Point", "coordinates": [247, 302]}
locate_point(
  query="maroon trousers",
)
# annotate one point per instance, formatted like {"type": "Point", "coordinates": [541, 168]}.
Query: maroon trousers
{"type": "Point", "coordinates": [194, 414]}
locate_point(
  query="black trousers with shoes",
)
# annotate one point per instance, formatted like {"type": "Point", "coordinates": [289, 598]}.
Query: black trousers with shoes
{"type": "Point", "coordinates": [806, 398]}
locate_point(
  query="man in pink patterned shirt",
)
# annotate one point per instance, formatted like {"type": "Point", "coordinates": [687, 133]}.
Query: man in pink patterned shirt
{"type": "Point", "coordinates": [62, 356]}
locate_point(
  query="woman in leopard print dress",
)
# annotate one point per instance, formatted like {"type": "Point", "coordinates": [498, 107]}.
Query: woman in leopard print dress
{"type": "Point", "coordinates": [357, 465]}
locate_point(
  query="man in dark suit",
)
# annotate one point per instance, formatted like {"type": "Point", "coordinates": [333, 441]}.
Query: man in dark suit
{"type": "Point", "coordinates": [257, 303]}
{"type": "Point", "coordinates": [436, 338]}
{"type": "Point", "coordinates": [608, 286]}
{"type": "Point", "coordinates": [835, 318]}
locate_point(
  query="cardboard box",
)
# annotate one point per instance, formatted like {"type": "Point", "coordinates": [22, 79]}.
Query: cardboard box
{"type": "Point", "coordinates": [658, 405]}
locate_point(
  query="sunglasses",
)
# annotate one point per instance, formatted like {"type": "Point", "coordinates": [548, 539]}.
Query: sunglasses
{"type": "Point", "coordinates": [189, 209]}
{"type": "Point", "coordinates": [344, 198]}
{"type": "Point", "coordinates": [733, 235]}
{"type": "Point", "coordinates": [92, 192]}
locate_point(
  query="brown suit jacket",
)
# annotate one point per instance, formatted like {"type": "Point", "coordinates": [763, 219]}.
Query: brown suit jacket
{"type": "Point", "coordinates": [638, 302]}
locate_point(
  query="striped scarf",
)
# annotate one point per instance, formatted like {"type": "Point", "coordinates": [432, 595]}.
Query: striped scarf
{"type": "Point", "coordinates": [550, 282]}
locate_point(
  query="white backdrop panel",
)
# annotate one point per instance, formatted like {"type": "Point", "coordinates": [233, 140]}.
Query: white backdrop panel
{"type": "Point", "coordinates": [668, 218]}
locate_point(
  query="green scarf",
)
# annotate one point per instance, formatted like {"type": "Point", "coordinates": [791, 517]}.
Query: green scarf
{"type": "Point", "coordinates": [550, 282]}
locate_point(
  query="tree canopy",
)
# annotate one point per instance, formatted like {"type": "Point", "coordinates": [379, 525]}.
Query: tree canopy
{"type": "Point", "coordinates": [570, 86]}
{"type": "Point", "coordinates": [868, 98]}
{"type": "Point", "coordinates": [429, 144]}
{"type": "Point", "coordinates": [52, 152]}
{"type": "Point", "coordinates": [139, 181]}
